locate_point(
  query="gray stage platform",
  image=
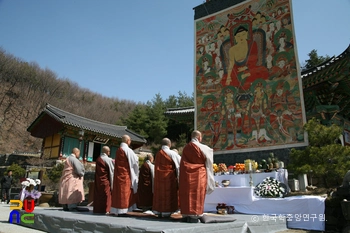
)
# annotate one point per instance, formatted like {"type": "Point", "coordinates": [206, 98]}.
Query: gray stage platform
{"type": "Point", "coordinates": [56, 220]}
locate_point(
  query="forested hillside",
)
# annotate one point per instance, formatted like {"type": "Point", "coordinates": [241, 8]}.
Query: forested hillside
{"type": "Point", "coordinates": [25, 89]}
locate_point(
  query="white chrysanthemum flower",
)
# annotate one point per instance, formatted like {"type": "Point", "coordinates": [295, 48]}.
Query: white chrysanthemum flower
{"type": "Point", "coordinates": [31, 182]}
{"type": "Point", "coordinates": [25, 183]}
{"type": "Point", "coordinates": [38, 182]}
{"type": "Point", "coordinates": [270, 187]}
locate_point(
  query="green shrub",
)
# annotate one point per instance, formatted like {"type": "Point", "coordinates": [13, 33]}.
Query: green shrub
{"type": "Point", "coordinates": [324, 157]}
{"type": "Point", "coordinates": [17, 173]}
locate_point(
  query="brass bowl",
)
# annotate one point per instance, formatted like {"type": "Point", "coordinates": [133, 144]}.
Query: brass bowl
{"type": "Point", "coordinates": [225, 183]}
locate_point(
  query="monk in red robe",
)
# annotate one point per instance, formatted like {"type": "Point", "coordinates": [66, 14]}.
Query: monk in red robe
{"type": "Point", "coordinates": [103, 182]}
{"type": "Point", "coordinates": [166, 169]}
{"type": "Point", "coordinates": [145, 186]}
{"type": "Point", "coordinates": [126, 172]}
{"type": "Point", "coordinates": [196, 177]}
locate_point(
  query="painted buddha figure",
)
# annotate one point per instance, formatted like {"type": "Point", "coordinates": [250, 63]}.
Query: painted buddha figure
{"type": "Point", "coordinates": [243, 68]}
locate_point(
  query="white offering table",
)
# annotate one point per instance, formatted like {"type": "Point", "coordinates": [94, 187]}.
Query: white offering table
{"type": "Point", "coordinates": [303, 212]}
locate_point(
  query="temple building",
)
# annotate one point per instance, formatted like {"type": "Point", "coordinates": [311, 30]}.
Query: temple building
{"type": "Point", "coordinates": [61, 131]}
{"type": "Point", "coordinates": [326, 89]}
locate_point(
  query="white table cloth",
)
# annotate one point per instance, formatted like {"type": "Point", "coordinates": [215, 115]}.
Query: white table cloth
{"type": "Point", "coordinates": [230, 196]}
{"type": "Point", "coordinates": [302, 212]}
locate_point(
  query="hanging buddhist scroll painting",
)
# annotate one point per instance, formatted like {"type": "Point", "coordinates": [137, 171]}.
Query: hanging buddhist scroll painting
{"type": "Point", "coordinates": [247, 87]}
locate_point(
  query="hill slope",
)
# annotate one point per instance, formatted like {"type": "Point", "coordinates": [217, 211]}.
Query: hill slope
{"type": "Point", "coordinates": [25, 90]}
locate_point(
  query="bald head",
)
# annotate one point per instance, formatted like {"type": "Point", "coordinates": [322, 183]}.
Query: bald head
{"type": "Point", "coordinates": [149, 157]}
{"type": "Point", "coordinates": [76, 152]}
{"type": "Point", "coordinates": [166, 142]}
{"type": "Point", "coordinates": [126, 139]}
{"type": "Point", "coordinates": [105, 149]}
{"type": "Point", "coordinates": [197, 134]}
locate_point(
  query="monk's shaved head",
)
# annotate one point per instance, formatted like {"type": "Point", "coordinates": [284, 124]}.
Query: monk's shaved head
{"type": "Point", "coordinates": [75, 150]}
{"type": "Point", "coordinates": [105, 149]}
{"type": "Point", "coordinates": [149, 157]}
{"type": "Point", "coordinates": [196, 134]}
{"type": "Point", "coordinates": [166, 142]}
{"type": "Point", "coordinates": [125, 138]}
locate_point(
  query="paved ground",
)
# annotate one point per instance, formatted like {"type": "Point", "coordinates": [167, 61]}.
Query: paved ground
{"type": "Point", "coordinates": [6, 227]}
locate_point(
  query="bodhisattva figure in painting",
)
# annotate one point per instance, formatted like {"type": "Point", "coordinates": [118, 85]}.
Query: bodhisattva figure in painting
{"type": "Point", "coordinates": [258, 113]}
{"type": "Point", "coordinates": [231, 114]}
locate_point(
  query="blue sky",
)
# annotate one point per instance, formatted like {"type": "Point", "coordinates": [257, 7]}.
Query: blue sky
{"type": "Point", "coordinates": [132, 50]}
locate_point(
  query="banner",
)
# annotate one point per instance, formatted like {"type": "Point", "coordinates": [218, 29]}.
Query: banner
{"type": "Point", "coordinates": [247, 84]}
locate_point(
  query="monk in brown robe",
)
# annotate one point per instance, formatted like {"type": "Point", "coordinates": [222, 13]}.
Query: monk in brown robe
{"type": "Point", "coordinates": [145, 186]}
{"type": "Point", "coordinates": [196, 177]}
{"type": "Point", "coordinates": [126, 172]}
{"type": "Point", "coordinates": [103, 182]}
{"type": "Point", "coordinates": [166, 169]}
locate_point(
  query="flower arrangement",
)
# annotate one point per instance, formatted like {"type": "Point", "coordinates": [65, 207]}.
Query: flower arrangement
{"type": "Point", "coordinates": [270, 187]}
{"type": "Point", "coordinates": [28, 189]}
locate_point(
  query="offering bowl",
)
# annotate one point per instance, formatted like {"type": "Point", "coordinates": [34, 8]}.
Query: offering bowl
{"type": "Point", "coordinates": [225, 183]}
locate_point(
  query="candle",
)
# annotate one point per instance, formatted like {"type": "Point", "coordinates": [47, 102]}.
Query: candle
{"type": "Point", "coordinates": [250, 166]}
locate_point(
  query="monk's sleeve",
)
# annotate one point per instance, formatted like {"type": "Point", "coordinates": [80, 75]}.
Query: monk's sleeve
{"type": "Point", "coordinates": [78, 167]}
{"type": "Point", "coordinates": [208, 152]}
{"type": "Point", "coordinates": [110, 165]}
{"type": "Point", "coordinates": [151, 168]}
{"type": "Point", "coordinates": [134, 169]}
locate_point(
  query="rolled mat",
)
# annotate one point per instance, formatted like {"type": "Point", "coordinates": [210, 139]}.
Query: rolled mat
{"type": "Point", "coordinates": [216, 219]}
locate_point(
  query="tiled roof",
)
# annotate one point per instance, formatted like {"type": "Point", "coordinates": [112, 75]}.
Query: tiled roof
{"type": "Point", "coordinates": [71, 119]}
{"type": "Point", "coordinates": [211, 7]}
{"type": "Point", "coordinates": [185, 114]}
{"type": "Point", "coordinates": [324, 65]}
{"type": "Point", "coordinates": [326, 87]}
{"type": "Point", "coordinates": [183, 110]}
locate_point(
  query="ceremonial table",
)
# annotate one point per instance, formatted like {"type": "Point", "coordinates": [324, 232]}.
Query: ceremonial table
{"type": "Point", "coordinates": [239, 190]}
{"type": "Point", "coordinates": [303, 212]}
